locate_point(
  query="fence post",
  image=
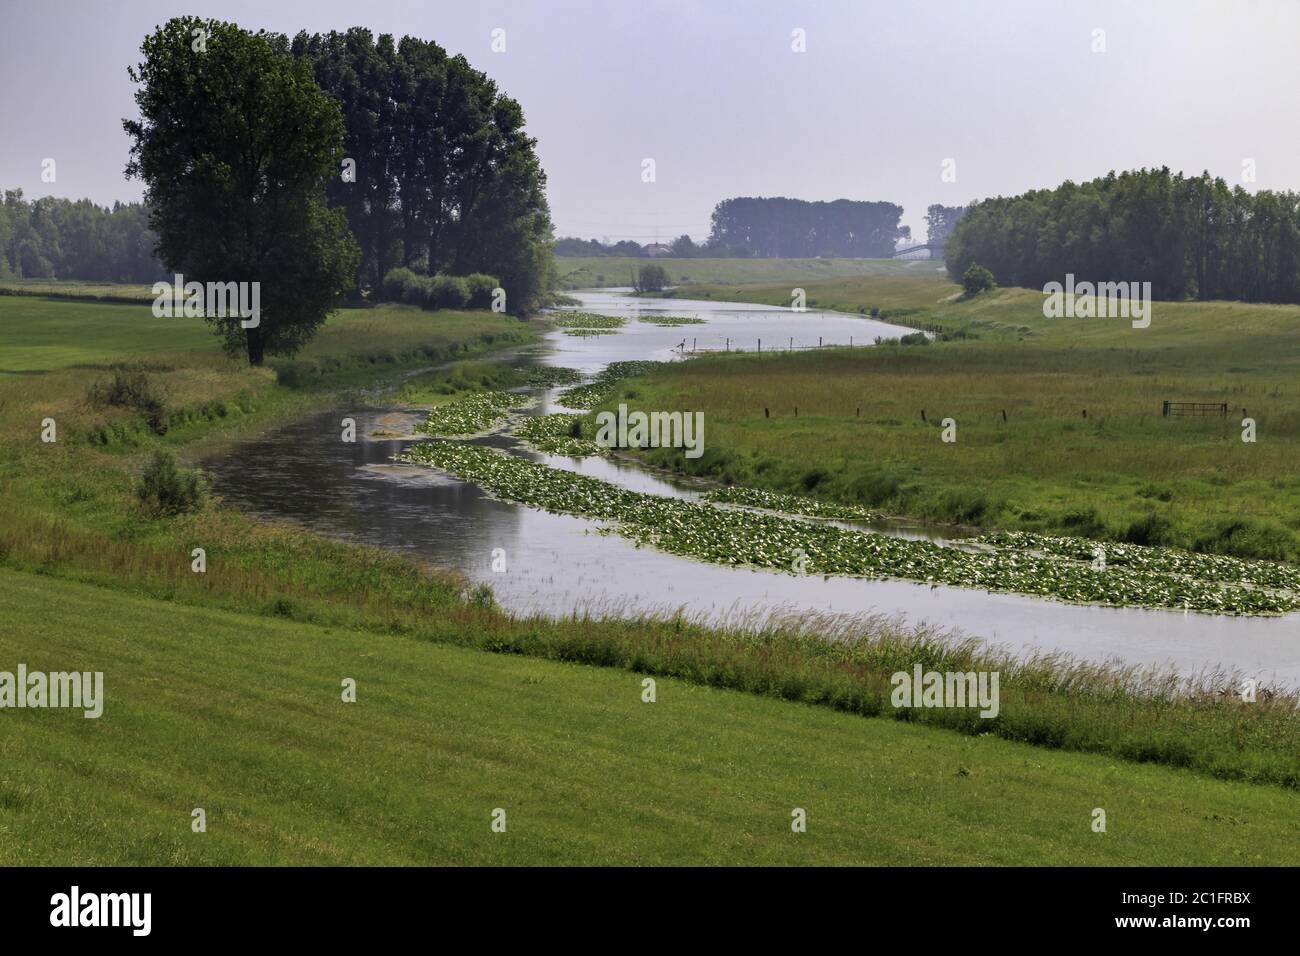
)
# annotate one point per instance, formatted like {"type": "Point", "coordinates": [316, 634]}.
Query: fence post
{"type": "Point", "coordinates": [760, 345]}
{"type": "Point", "coordinates": [1164, 413]}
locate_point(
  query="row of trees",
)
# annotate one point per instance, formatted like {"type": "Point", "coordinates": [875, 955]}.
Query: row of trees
{"type": "Point", "coordinates": [1190, 237]}
{"type": "Point", "coordinates": [440, 176]}
{"type": "Point", "coordinates": [796, 228]}
{"type": "Point", "coordinates": [58, 238]}
{"type": "Point", "coordinates": [311, 168]}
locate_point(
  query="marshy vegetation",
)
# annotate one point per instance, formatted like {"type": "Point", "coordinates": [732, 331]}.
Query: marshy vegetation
{"type": "Point", "coordinates": [749, 538]}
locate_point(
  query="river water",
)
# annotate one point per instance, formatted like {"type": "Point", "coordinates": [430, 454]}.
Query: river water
{"type": "Point", "coordinates": [557, 564]}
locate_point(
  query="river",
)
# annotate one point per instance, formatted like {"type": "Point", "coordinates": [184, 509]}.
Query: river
{"type": "Point", "coordinates": [557, 564]}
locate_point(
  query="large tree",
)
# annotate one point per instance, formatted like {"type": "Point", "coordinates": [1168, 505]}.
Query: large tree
{"type": "Point", "coordinates": [236, 144]}
{"type": "Point", "coordinates": [446, 178]}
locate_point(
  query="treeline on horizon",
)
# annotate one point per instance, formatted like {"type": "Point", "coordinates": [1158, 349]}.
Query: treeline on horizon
{"type": "Point", "coordinates": [776, 227]}
{"type": "Point", "coordinates": [53, 238]}
{"type": "Point", "coordinates": [1190, 237]}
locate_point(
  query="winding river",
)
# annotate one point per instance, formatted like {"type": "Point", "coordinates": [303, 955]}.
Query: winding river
{"type": "Point", "coordinates": [557, 564]}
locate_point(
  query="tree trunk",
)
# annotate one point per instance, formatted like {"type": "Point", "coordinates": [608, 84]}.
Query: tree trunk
{"type": "Point", "coordinates": [254, 341]}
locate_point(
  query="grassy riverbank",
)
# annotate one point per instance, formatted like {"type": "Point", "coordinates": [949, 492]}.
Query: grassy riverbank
{"type": "Point", "coordinates": [223, 686]}
{"type": "Point", "coordinates": [1058, 423]}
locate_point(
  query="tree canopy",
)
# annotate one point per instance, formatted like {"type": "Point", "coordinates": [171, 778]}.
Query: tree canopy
{"type": "Point", "coordinates": [235, 144]}
{"type": "Point", "coordinates": [446, 179]}
{"type": "Point", "coordinates": [1190, 237]}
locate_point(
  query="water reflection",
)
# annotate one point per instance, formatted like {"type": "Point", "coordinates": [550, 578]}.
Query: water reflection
{"type": "Point", "coordinates": [556, 564]}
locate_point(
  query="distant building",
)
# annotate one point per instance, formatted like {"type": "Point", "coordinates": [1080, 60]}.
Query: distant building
{"type": "Point", "coordinates": [658, 249]}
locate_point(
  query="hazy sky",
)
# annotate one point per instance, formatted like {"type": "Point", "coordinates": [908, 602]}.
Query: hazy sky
{"type": "Point", "coordinates": [886, 91]}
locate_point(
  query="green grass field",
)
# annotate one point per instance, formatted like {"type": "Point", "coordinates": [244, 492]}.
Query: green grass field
{"type": "Point", "coordinates": [244, 717]}
{"type": "Point", "coordinates": [223, 687]}
{"type": "Point", "coordinates": [1184, 481]}
{"type": "Point", "coordinates": [580, 272]}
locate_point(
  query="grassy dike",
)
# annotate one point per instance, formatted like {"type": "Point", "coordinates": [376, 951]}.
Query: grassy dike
{"type": "Point", "coordinates": [228, 681]}
{"type": "Point", "coordinates": [242, 716]}
{"type": "Point", "coordinates": [1058, 421]}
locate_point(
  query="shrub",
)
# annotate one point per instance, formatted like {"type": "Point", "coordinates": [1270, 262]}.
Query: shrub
{"type": "Point", "coordinates": [915, 338]}
{"type": "Point", "coordinates": [166, 489]}
{"type": "Point", "coordinates": [419, 291]}
{"type": "Point", "coordinates": [133, 388]}
{"type": "Point", "coordinates": [1149, 529]}
{"type": "Point", "coordinates": [1158, 492]}
{"type": "Point", "coordinates": [396, 282]}
{"type": "Point", "coordinates": [1246, 538]}
{"type": "Point", "coordinates": [875, 489]}
{"type": "Point", "coordinates": [977, 279]}
{"type": "Point", "coordinates": [964, 505]}
{"type": "Point", "coordinates": [1083, 522]}
{"type": "Point", "coordinates": [448, 292]}
{"type": "Point", "coordinates": [651, 278]}
{"type": "Point", "coordinates": [480, 289]}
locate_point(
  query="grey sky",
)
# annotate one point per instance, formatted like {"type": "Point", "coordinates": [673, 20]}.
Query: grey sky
{"type": "Point", "coordinates": [712, 91]}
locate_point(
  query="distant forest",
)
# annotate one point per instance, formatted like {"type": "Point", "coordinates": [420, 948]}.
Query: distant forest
{"type": "Point", "coordinates": [747, 227]}
{"type": "Point", "coordinates": [52, 238]}
{"type": "Point", "coordinates": [1190, 237]}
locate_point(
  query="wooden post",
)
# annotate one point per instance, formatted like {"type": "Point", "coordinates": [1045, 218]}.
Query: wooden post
{"type": "Point", "coordinates": [760, 345]}
{"type": "Point", "coordinates": [796, 411]}
{"type": "Point", "coordinates": [766, 413]}
{"type": "Point", "coordinates": [859, 411]}
{"type": "Point", "coordinates": [1165, 411]}
{"type": "Point", "coordinates": [923, 418]}
{"type": "Point", "coordinates": [1085, 413]}
{"type": "Point", "coordinates": [1004, 414]}
{"type": "Point", "coordinates": [819, 341]}
{"type": "Point", "coordinates": [728, 345]}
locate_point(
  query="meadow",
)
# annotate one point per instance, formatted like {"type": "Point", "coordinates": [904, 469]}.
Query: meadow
{"type": "Point", "coordinates": [227, 682]}
{"type": "Point", "coordinates": [587, 272]}
{"type": "Point", "coordinates": [1059, 423]}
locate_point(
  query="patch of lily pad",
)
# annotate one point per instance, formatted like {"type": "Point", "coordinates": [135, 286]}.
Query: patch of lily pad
{"type": "Point", "coordinates": [557, 435]}
{"type": "Point", "coordinates": [473, 414]}
{"type": "Point", "coordinates": [602, 386]}
{"type": "Point", "coordinates": [585, 320]}
{"type": "Point", "coordinates": [789, 504]}
{"type": "Point", "coordinates": [727, 536]}
{"type": "Point", "coordinates": [550, 376]}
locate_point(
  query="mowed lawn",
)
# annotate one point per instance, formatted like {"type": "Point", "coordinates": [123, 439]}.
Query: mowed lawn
{"type": "Point", "coordinates": [243, 717]}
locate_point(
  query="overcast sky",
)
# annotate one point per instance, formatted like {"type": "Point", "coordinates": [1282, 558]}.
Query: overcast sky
{"type": "Point", "coordinates": [1011, 91]}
